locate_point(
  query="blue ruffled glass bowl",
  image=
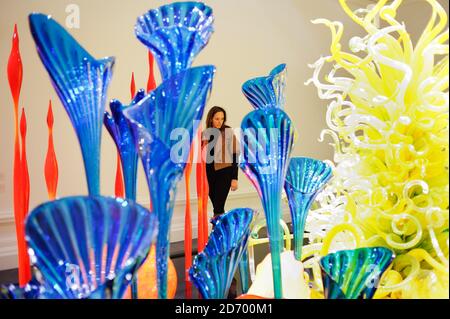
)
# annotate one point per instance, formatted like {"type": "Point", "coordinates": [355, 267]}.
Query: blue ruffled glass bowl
{"type": "Point", "coordinates": [213, 269]}
{"type": "Point", "coordinates": [89, 246]}
{"type": "Point", "coordinates": [175, 34]}
{"type": "Point", "coordinates": [305, 178]}
{"type": "Point", "coordinates": [267, 91]}
{"type": "Point", "coordinates": [354, 274]}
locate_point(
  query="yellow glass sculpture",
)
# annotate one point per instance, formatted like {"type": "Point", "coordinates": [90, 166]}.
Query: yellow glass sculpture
{"type": "Point", "coordinates": [388, 117]}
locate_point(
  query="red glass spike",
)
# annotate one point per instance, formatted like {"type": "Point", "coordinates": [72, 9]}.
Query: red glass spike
{"type": "Point", "coordinates": [15, 75]}
{"type": "Point", "coordinates": [25, 193]}
{"type": "Point", "coordinates": [132, 86]}
{"type": "Point", "coordinates": [119, 189]}
{"type": "Point", "coordinates": [51, 164]}
{"type": "Point", "coordinates": [15, 71]}
{"type": "Point", "coordinates": [188, 227]}
{"type": "Point", "coordinates": [151, 83]}
{"type": "Point", "coordinates": [200, 196]}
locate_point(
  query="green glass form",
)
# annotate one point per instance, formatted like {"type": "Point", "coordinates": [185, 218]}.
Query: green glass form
{"type": "Point", "coordinates": [244, 272]}
{"type": "Point", "coordinates": [354, 274]}
{"type": "Point", "coordinates": [267, 140]}
{"type": "Point", "coordinates": [213, 269]}
{"type": "Point", "coordinates": [305, 178]}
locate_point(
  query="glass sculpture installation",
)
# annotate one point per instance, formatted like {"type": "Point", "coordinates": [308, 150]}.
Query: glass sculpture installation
{"type": "Point", "coordinates": [354, 274]}
{"type": "Point", "coordinates": [266, 146]}
{"type": "Point", "coordinates": [175, 34]}
{"type": "Point", "coordinates": [213, 269]}
{"type": "Point", "coordinates": [121, 132]}
{"type": "Point", "coordinates": [304, 179]}
{"type": "Point", "coordinates": [267, 91]}
{"type": "Point", "coordinates": [80, 243]}
{"type": "Point", "coordinates": [81, 83]}
{"type": "Point", "coordinates": [388, 121]}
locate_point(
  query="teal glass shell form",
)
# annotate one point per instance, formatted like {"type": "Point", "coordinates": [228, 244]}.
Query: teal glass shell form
{"type": "Point", "coordinates": [354, 274]}
{"type": "Point", "coordinates": [267, 140]}
{"type": "Point", "coordinates": [81, 83]}
{"type": "Point", "coordinates": [175, 107]}
{"type": "Point", "coordinates": [304, 179]}
{"type": "Point", "coordinates": [175, 34]}
{"type": "Point", "coordinates": [213, 269]}
{"type": "Point", "coordinates": [120, 131]}
{"type": "Point", "coordinates": [267, 91]}
{"type": "Point", "coordinates": [89, 247]}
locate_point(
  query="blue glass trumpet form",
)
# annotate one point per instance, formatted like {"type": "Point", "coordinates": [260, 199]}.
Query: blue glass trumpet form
{"type": "Point", "coordinates": [81, 83]}
{"type": "Point", "coordinates": [354, 274]}
{"type": "Point", "coordinates": [89, 246]}
{"type": "Point", "coordinates": [304, 179]}
{"type": "Point", "coordinates": [267, 91]}
{"type": "Point", "coordinates": [175, 34]}
{"type": "Point", "coordinates": [213, 269]}
{"type": "Point", "coordinates": [267, 143]}
{"type": "Point", "coordinates": [121, 132]}
{"type": "Point", "coordinates": [172, 110]}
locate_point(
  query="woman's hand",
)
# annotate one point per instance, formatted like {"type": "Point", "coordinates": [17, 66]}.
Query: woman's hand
{"type": "Point", "coordinates": [234, 185]}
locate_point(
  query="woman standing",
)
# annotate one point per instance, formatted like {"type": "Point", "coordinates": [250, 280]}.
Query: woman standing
{"type": "Point", "coordinates": [222, 155]}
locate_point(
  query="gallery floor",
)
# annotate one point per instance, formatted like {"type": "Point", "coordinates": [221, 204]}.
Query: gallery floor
{"type": "Point", "coordinates": [177, 256]}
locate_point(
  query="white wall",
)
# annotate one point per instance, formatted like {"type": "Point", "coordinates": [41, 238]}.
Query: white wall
{"type": "Point", "coordinates": [251, 37]}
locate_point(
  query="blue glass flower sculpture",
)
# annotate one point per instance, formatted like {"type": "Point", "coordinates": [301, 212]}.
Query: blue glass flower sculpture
{"type": "Point", "coordinates": [175, 107]}
{"type": "Point", "coordinates": [175, 34]}
{"type": "Point", "coordinates": [120, 130]}
{"type": "Point", "coordinates": [80, 243]}
{"type": "Point", "coordinates": [32, 290]}
{"type": "Point", "coordinates": [304, 179]}
{"type": "Point", "coordinates": [267, 143]}
{"type": "Point", "coordinates": [81, 83]}
{"type": "Point", "coordinates": [213, 269]}
{"type": "Point", "coordinates": [267, 91]}
{"type": "Point", "coordinates": [354, 274]}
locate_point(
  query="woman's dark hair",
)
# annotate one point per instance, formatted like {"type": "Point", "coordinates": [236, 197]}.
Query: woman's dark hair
{"type": "Point", "coordinates": [212, 112]}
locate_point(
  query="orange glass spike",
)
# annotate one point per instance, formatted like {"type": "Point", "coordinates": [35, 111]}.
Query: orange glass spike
{"type": "Point", "coordinates": [132, 86]}
{"type": "Point", "coordinates": [51, 164]}
{"type": "Point", "coordinates": [119, 188]}
{"type": "Point", "coordinates": [151, 83]}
